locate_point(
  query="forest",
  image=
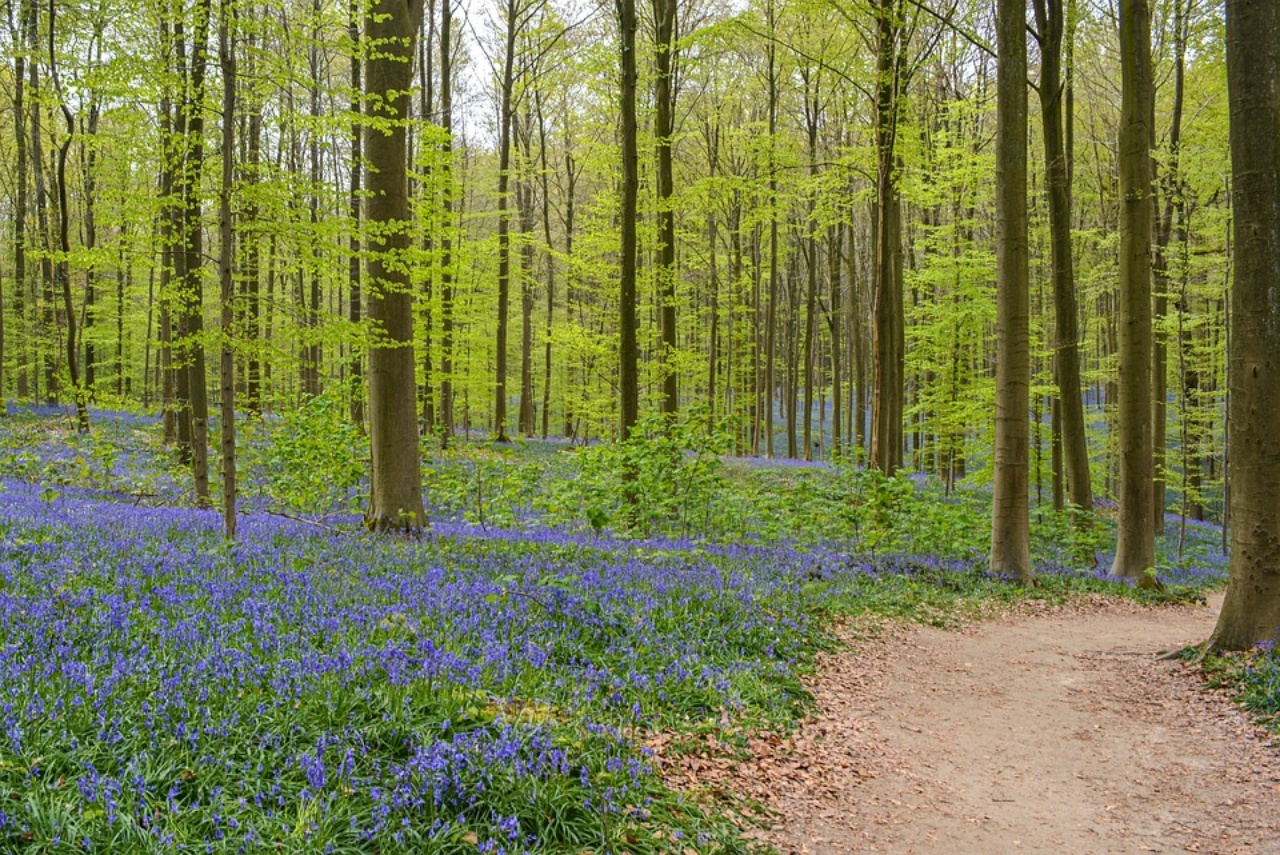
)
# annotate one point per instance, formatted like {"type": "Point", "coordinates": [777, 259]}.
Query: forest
{"type": "Point", "coordinates": [425, 425]}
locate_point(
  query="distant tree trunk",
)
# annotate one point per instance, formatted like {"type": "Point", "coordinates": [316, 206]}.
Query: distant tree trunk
{"type": "Point", "coordinates": [834, 320]}
{"type": "Point", "coordinates": [1051, 25]}
{"type": "Point", "coordinates": [426, 100]}
{"type": "Point", "coordinates": [391, 26]}
{"type": "Point", "coordinates": [524, 206]}
{"type": "Point", "coordinates": [1251, 611]}
{"type": "Point", "coordinates": [64, 241]}
{"type": "Point", "coordinates": [889, 389]}
{"type": "Point", "coordinates": [250, 332]}
{"type": "Point", "coordinates": [164, 234]}
{"type": "Point", "coordinates": [1170, 189]}
{"type": "Point", "coordinates": [20, 207]}
{"type": "Point", "coordinates": [545, 178]}
{"type": "Point", "coordinates": [1010, 517]}
{"type": "Point", "coordinates": [771, 321]}
{"type": "Point", "coordinates": [504, 222]}
{"type": "Point", "coordinates": [89, 166]}
{"type": "Point", "coordinates": [571, 297]}
{"type": "Point", "coordinates": [857, 341]}
{"type": "Point", "coordinates": [711, 133]}
{"type": "Point", "coordinates": [1135, 549]}
{"type": "Point", "coordinates": [313, 354]}
{"type": "Point", "coordinates": [226, 234]}
{"type": "Point", "coordinates": [44, 307]}
{"type": "Point", "coordinates": [123, 276]}
{"type": "Point", "coordinates": [446, 233]}
{"type": "Point", "coordinates": [355, 296]}
{"type": "Point", "coordinates": [191, 248]}
{"type": "Point", "coordinates": [812, 116]}
{"type": "Point", "coordinates": [629, 373]}
{"type": "Point", "coordinates": [665, 54]}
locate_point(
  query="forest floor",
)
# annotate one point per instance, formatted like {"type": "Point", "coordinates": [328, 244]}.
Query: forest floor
{"type": "Point", "coordinates": [1054, 730]}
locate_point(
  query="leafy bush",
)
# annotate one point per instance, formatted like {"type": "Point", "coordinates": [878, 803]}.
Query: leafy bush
{"type": "Point", "coordinates": [666, 477]}
{"type": "Point", "coordinates": [312, 459]}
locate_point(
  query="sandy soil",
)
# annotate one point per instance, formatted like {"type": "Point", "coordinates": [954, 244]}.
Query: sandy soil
{"type": "Point", "coordinates": [1058, 732]}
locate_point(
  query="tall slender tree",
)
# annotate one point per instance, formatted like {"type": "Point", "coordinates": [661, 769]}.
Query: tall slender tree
{"type": "Point", "coordinates": [1051, 30]}
{"type": "Point", "coordinates": [226, 264]}
{"type": "Point", "coordinates": [665, 43]}
{"type": "Point", "coordinates": [628, 351]}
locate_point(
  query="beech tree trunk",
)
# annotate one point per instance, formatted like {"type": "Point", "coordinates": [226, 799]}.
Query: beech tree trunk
{"type": "Point", "coordinates": [446, 233]}
{"type": "Point", "coordinates": [1010, 516]}
{"type": "Point", "coordinates": [889, 343]}
{"type": "Point", "coordinates": [64, 241]}
{"type": "Point", "coordinates": [629, 369]}
{"type": "Point", "coordinates": [1135, 548]}
{"type": "Point", "coordinates": [20, 207]}
{"type": "Point", "coordinates": [1170, 190]}
{"type": "Point", "coordinates": [504, 224]}
{"type": "Point", "coordinates": [391, 27]}
{"type": "Point", "coordinates": [664, 16]}
{"type": "Point", "coordinates": [226, 260]}
{"type": "Point", "coordinates": [1051, 22]}
{"type": "Point", "coordinates": [1251, 611]}
{"type": "Point", "coordinates": [355, 297]}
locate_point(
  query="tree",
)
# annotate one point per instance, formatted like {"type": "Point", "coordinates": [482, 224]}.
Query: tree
{"type": "Point", "coordinates": [226, 258]}
{"type": "Point", "coordinates": [1010, 520]}
{"type": "Point", "coordinates": [888, 397]}
{"type": "Point", "coordinates": [629, 371]}
{"type": "Point", "coordinates": [665, 56]}
{"type": "Point", "coordinates": [1135, 549]}
{"type": "Point", "coordinates": [395, 502]}
{"type": "Point", "coordinates": [1051, 26]}
{"type": "Point", "coordinates": [1251, 611]}
{"type": "Point", "coordinates": [64, 242]}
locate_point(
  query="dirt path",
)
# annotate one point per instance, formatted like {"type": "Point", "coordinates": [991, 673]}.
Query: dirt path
{"type": "Point", "coordinates": [1052, 733]}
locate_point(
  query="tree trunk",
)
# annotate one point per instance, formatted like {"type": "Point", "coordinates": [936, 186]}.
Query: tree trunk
{"type": "Point", "coordinates": [1170, 189]}
{"type": "Point", "coordinates": [355, 297]}
{"type": "Point", "coordinates": [89, 166]}
{"type": "Point", "coordinates": [504, 224]}
{"type": "Point", "coordinates": [629, 373]}
{"type": "Point", "coordinates": [771, 323]}
{"type": "Point", "coordinates": [446, 233]}
{"type": "Point", "coordinates": [1135, 549]}
{"type": "Point", "coordinates": [1251, 611]}
{"type": "Point", "coordinates": [20, 208]}
{"type": "Point", "coordinates": [545, 178]}
{"type": "Point", "coordinates": [391, 26]}
{"type": "Point", "coordinates": [64, 240]}
{"type": "Point", "coordinates": [250, 332]}
{"type": "Point", "coordinates": [226, 234]}
{"type": "Point", "coordinates": [812, 115]}
{"type": "Point", "coordinates": [887, 402]}
{"type": "Point", "coordinates": [1010, 516]}
{"type": "Point", "coordinates": [191, 247]}
{"type": "Point", "coordinates": [313, 354]}
{"type": "Point", "coordinates": [1069, 411]}
{"type": "Point", "coordinates": [665, 52]}
{"type": "Point", "coordinates": [834, 321]}
{"type": "Point", "coordinates": [524, 207]}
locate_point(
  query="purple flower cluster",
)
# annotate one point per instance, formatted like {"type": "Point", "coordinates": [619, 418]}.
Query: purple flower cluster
{"type": "Point", "coordinates": [162, 687]}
